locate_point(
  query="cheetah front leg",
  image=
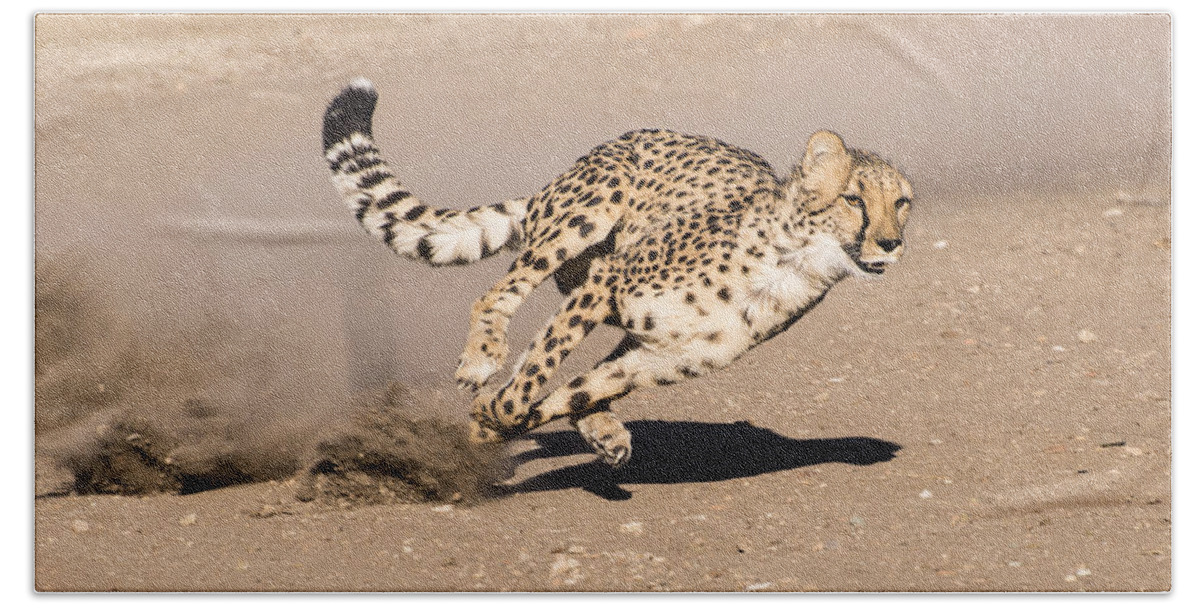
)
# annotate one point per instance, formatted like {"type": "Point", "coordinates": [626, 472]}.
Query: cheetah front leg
{"type": "Point", "coordinates": [487, 343]}
{"type": "Point", "coordinates": [552, 245]}
{"type": "Point", "coordinates": [505, 413]}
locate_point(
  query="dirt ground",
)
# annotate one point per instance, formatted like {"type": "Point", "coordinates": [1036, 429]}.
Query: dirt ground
{"type": "Point", "coordinates": [994, 413]}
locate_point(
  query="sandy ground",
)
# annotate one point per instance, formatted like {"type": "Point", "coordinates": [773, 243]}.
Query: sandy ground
{"type": "Point", "coordinates": [993, 414]}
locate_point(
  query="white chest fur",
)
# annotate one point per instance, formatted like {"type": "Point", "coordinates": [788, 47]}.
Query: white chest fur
{"type": "Point", "coordinates": [791, 280]}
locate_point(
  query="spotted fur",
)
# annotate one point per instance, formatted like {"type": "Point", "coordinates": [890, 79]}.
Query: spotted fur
{"type": "Point", "coordinates": [692, 246]}
{"type": "Point", "coordinates": [388, 211]}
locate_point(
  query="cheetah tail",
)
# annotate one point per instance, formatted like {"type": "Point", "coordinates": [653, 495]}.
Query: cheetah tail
{"type": "Point", "coordinates": [388, 211]}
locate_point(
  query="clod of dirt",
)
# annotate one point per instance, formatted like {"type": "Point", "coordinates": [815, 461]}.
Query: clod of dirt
{"type": "Point", "coordinates": [385, 456]}
{"type": "Point", "coordinates": [134, 455]}
{"type": "Point", "coordinates": [129, 456]}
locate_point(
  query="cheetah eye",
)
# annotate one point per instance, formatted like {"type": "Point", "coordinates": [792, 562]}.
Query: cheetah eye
{"type": "Point", "coordinates": [853, 200]}
{"type": "Point", "coordinates": [902, 201]}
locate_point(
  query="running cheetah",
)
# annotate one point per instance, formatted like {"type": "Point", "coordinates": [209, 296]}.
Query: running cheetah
{"type": "Point", "coordinates": [692, 246]}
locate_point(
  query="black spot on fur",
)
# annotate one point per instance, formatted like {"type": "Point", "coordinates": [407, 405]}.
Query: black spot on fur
{"type": "Point", "coordinates": [424, 249]}
{"type": "Point", "coordinates": [372, 179]}
{"type": "Point", "coordinates": [415, 213]}
{"type": "Point", "coordinates": [392, 198]}
{"type": "Point", "coordinates": [579, 401]}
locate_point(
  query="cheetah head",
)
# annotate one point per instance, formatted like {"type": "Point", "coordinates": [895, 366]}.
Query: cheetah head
{"type": "Point", "coordinates": [861, 199]}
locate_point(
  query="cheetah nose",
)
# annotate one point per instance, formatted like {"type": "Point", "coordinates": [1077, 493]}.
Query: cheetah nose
{"type": "Point", "coordinates": [888, 245]}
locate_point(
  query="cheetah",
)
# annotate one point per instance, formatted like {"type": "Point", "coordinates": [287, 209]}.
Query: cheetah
{"type": "Point", "coordinates": [695, 248]}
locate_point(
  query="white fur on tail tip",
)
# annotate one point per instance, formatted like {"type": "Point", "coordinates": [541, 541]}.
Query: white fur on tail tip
{"type": "Point", "coordinates": [363, 84]}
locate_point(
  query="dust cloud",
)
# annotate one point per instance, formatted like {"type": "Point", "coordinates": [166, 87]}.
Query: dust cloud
{"type": "Point", "coordinates": [131, 408]}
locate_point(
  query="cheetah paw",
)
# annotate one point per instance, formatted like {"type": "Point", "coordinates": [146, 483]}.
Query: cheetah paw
{"type": "Point", "coordinates": [607, 437]}
{"type": "Point", "coordinates": [482, 434]}
{"type": "Point", "coordinates": [475, 368]}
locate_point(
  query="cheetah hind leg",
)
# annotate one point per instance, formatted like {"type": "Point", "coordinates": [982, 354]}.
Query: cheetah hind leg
{"type": "Point", "coordinates": [605, 434]}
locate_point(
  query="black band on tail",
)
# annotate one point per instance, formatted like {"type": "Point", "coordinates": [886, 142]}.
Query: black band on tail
{"type": "Point", "coordinates": [350, 112]}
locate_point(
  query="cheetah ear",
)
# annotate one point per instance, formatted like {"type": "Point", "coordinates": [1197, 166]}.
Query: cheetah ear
{"type": "Point", "coordinates": [826, 166]}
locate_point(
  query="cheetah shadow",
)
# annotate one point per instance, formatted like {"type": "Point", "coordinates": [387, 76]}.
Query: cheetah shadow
{"type": "Point", "coordinates": [666, 452]}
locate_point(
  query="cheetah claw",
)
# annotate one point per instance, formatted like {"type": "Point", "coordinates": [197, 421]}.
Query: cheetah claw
{"type": "Point", "coordinates": [483, 434]}
{"type": "Point", "coordinates": [473, 374]}
{"type": "Point", "coordinates": [607, 437]}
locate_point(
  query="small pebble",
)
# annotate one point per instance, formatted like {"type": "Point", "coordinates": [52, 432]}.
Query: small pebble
{"type": "Point", "coordinates": [1113, 212]}
{"type": "Point", "coordinates": [565, 568]}
{"type": "Point", "coordinates": [80, 526]}
{"type": "Point", "coordinates": [1086, 336]}
{"type": "Point", "coordinates": [759, 586]}
{"type": "Point", "coordinates": [926, 494]}
{"type": "Point", "coordinates": [443, 509]}
{"type": "Point", "coordinates": [188, 519]}
{"type": "Point", "coordinates": [634, 527]}
{"type": "Point", "coordinates": [941, 245]}
{"type": "Point", "coordinates": [1083, 572]}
